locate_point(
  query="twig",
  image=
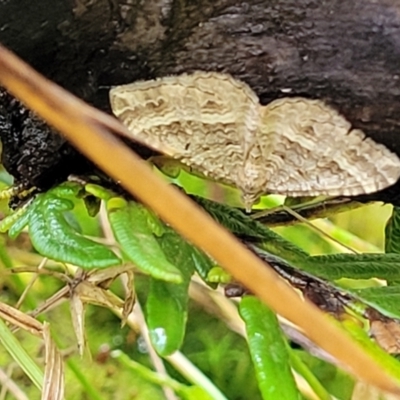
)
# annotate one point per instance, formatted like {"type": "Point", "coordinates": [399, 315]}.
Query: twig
{"type": "Point", "coordinates": [316, 228]}
{"type": "Point", "coordinates": [31, 283]}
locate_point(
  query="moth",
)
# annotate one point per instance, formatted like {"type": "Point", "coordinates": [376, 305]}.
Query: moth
{"type": "Point", "coordinates": [215, 124]}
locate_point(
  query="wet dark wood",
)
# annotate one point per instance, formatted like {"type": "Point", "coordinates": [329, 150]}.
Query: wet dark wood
{"type": "Point", "coordinates": [344, 52]}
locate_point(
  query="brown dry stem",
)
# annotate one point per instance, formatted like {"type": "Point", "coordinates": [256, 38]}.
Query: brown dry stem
{"type": "Point", "coordinates": [89, 130]}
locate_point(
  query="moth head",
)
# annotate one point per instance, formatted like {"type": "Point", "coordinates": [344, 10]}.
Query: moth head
{"type": "Point", "coordinates": [252, 182]}
{"type": "Point", "coordinates": [249, 199]}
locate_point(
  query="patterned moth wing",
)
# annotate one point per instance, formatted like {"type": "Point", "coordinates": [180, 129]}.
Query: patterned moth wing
{"type": "Point", "coordinates": [315, 152]}
{"type": "Point", "coordinates": [204, 120]}
{"type": "Point", "coordinates": [215, 125]}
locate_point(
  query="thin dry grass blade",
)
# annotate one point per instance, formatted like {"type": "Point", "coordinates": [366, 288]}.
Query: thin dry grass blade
{"type": "Point", "coordinates": [8, 385]}
{"type": "Point", "coordinates": [20, 319]}
{"type": "Point", "coordinates": [78, 320]}
{"type": "Point", "coordinates": [129, 296]}
{"type": "Point", "coordinates": [55, 300]}
{"type": "Point", "coordinates": [53, 385]}
{"type": "Point", "coordinates": [89, 129]}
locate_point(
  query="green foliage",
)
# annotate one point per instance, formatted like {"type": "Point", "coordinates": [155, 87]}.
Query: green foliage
{"type": "Point", "coordinates": [392, 232]}
{"type": "Point", "coordinates": [355, 266]}
{"type": "Point", "coordinates": [53, 236]}
{"type": "Point", "coordinates": [331, 267]}
{"type": "Point", "coordinates": [54, 220]}
{"type": "Point", "coordinates": [221, 354]}
{"type": "Point", "coordinates": [244, 226]}
{"type": "Point", "coordinates": [386, 299]}
{"type": "Point", "coordinates": [19, 354]}
{"type": "Point", "coordinates": [337, 382]}
{"type": "Point", "coordinates": [133, 231]}
{"type": "Point", "coordinates": [167, 302]}
{"type": "Point", "coordinates": [269, 352]}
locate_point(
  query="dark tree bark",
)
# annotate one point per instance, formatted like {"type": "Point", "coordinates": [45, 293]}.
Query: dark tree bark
{"type": "Point", "coordinates": [346, 53]}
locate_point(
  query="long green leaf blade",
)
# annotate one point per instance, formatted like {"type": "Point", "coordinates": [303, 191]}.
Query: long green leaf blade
{"type": "Point", "coordinates": [385, 299]}
{"type": "Point", "coordinates": [268, 351]}
{"type": "Point", "coordinates": [129, 222]}
{"type": "Point", "coordinates": [166, 305]}
{"type": "Point", "coordinates": [355, 266]}
{"type": "Point", "coordinates": [18, 353]}
{"type": "Point", "coordinates": [242, 225]}
{"type": "Point", "coordinates": [392, 232]}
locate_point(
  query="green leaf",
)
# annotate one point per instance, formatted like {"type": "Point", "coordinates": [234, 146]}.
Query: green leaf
{"type": "Point", "coordinates": [233, 219]}
{"type": "Point", "coordinates": [66, 190]}
{"type": "Point", "coordinates": [335, 266]}
{"type": "Point", "coordinates": [20, 356]}
{"type": "Point", "coordinates": [16, 223]}
{"type": "Point", "coordinates": [52, 234]}
{"type": "Point", "coordinates": [355, 266]}
{"type": "Point", "coordinates": [243, 225]}
{"type": "Point", "coordinates": [99, 191]}
{"type": "Point", "coordinates": [268, 350]}
{"type": "Point", "coordinates": [53, 237]}
{"type": "Point", "coordinates": [130, 224]}
{"type": "Point", "coordinates": [166, 306]}
{"type": "Point", "coordinates": [219, 275]}
{"type": "Point", "coordinates": [392, 232]}
{"type": "Point", "coordinates": [385, 299]}
{"type": "Point", "coordinates": [202, 264]}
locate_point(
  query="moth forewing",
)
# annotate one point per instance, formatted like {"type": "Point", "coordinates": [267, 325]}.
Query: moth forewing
{"type": "Point", "coordinates": [205, 120]}
{"type": "Point", "coordinates": [214, 124]}
{"type": "Point", "coordinates": [317, 153]}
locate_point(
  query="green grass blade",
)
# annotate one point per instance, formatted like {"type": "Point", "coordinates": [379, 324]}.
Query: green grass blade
{"type": "Point", "coordinates": [21, 357]}
{"type": "Point", "coordinates": [268, 350]}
